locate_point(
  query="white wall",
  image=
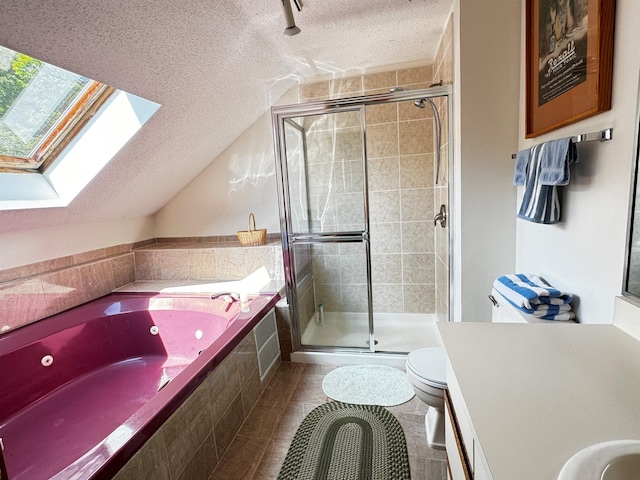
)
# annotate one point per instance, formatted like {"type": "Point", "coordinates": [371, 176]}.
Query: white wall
{"type": "Point", "coordinates": [30, 246]}
{"type": "Point", "coordinates": [584, 254]}
{"type": "Point", "coordinates": [218, 201]}
{"type": "Point", "coordinates": [487, 58]}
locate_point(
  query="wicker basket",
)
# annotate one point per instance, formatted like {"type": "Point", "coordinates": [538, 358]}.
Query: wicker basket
{"type": "Point", "coordinates": [252, 236]}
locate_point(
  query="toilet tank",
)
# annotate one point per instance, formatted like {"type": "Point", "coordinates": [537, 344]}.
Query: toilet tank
{"type": "Point", "coordinates": [504, 312]}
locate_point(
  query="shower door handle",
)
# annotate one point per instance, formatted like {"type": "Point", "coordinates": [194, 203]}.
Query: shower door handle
{"type": "Point", "coordinates": [441, 217]}
{"type": "Point", "coordinates": [342, 237]}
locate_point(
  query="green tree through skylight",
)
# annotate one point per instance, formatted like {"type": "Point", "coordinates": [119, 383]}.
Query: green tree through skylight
{"type": "Point", "coordinates": [33, 97]}
{"type": "Point", "coordinates": [13, 80]}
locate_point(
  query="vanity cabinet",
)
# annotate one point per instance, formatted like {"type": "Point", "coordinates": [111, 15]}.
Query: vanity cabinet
{"type": "Point", "coordinates": [524, 398]}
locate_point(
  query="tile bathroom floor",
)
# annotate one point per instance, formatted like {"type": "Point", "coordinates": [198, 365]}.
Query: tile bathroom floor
{"type": "Point", "coordinates": [259, 449]}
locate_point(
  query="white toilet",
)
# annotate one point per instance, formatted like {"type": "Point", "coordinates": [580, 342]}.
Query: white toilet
{"type": "Point", "coordinates": [426, 368]}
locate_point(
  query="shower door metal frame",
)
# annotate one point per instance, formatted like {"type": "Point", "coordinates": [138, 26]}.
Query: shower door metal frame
{"type": "Point", "coordinates": [281, 113]}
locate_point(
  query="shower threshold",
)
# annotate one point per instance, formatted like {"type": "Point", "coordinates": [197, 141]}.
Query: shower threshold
{"type": "Point", "coordinates": [396, 360]}
{"type": "Point", "coordinates": [395, 334]}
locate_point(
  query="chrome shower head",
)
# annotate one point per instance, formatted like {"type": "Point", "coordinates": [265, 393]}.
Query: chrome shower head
{"type": "Point", "coordinates": [420, 103]}
{"type": "Point", "coordinates": [291, 29]}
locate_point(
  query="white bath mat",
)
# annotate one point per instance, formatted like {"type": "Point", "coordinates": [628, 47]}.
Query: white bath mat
{"type": "Point", "coordinates": [368, 385]}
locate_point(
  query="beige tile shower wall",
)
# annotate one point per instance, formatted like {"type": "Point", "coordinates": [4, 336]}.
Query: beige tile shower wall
{"type": "Point", "coordinates": [334, 174]}
{"type": "Point", "coordinates": [306, 303]}
{"type": "Point", "coordinates": [192, 441]}
{"type": "Point", "coordinates": [443, 71]}
{"type": "Point", "coordinates": [400, 151]}
{"type": "Point", "coordinates": [335, 180]}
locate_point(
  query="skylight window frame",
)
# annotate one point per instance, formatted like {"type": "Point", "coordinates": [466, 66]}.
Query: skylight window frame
{"type": "Point", "coordinates": [63, 131]}
{"type": "Point", "coordinates": [97, 121]}
{"type": "Point", "coordinates": [112, 126]}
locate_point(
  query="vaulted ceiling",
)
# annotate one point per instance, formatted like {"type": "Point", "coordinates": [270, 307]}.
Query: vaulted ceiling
{"type": "Point", "coordinates": [215, 66]}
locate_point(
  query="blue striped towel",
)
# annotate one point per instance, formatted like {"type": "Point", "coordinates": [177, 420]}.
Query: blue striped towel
{"type": "Point", "coordinates": [531, 294]}
{"type": "Point", "coordinates": [554, 312]}
{"type": "Point", "coordinates": [541, 169]}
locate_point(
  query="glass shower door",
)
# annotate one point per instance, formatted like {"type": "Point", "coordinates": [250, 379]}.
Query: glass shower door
{"type": "Point", "coordinates": [325, 227]}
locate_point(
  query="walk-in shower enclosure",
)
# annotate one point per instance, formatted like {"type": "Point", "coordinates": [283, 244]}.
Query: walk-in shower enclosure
{"type": "Point", "coordinates": [360, 181]}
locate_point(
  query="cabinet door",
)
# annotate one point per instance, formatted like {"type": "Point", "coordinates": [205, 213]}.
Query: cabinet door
{"type": "Point", "coordinates": [457, 450]}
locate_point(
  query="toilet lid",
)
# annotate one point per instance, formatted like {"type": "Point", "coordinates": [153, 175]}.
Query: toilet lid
{"type": "Point", "coordinates": [429, 364]}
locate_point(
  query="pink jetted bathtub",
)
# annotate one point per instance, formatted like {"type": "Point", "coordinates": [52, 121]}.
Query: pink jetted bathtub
{"type": "Point", "coordinates": [80, 392]}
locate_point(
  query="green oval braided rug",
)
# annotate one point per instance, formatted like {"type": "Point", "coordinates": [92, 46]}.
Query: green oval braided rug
{"type": "Point", "coordinates": [342, 441]}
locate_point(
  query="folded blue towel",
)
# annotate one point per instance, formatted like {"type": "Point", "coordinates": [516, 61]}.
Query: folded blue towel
{"type": "Point", "coordinates": [555, 158]}
{"type": "Point", "coordinates": [522, 164]}
{"type": "Point", "coordinates": [530, 294]}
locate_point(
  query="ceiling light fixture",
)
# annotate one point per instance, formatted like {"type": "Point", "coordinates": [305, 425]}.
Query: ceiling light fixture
{"type": "Point", "coordinates": [291, 29]}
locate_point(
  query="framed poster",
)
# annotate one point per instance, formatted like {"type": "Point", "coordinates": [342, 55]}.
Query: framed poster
{"type": "Point", "coordinates": [569, 62]}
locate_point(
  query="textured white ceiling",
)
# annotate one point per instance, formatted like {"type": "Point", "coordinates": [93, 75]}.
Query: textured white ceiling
{"type": "Point", "coordinates": [213, 65]}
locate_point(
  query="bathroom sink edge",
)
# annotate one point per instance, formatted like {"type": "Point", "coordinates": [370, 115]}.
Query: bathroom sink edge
{"type": "Point", "coordinates": [591, 462]}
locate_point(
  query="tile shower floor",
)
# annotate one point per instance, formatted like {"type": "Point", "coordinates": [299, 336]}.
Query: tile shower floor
{"type": "Point", "coordinates": [261, 445]}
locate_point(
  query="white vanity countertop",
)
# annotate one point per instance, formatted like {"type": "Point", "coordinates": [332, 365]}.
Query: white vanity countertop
{"type": "Point", "coordinates": [538, 393]}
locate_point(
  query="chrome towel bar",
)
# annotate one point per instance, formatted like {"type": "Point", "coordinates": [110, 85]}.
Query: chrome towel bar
{"type": "Point", "coordinates": [601, 136]}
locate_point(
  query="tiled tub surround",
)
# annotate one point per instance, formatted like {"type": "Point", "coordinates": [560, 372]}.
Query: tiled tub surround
{"type": "Point", "coordinates": [400, 151]}
{"type": "Point", "coordinates": [221, 261]}
{"type": "Point", "coordinates": [105, 357]}
{"type": "Point", "coordinates": [187, 261]}
{"type": "Point", "coordinates": [42, 289]}
{"type": "Point", "coordinates": [36, 291]}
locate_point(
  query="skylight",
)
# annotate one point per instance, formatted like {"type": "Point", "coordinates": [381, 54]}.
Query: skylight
{"type": "Point", "coordinates": [57, 130]}
{"type": "Point", "coordinates": [39, 103]}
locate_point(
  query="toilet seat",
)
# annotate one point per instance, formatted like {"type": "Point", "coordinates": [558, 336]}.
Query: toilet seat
{"type": "Point", "coordinates": [429, 366]}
